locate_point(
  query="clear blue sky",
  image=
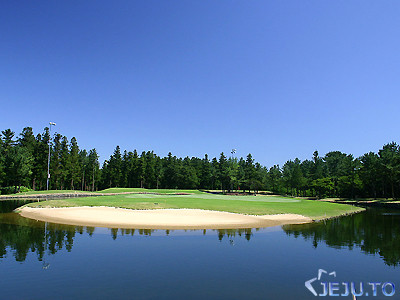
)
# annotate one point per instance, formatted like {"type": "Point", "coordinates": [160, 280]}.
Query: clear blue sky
{"type": "Point", "coordinates": [279, 79]}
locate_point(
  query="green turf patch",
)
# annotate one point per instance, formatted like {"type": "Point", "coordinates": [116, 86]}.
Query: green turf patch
{"type": "Point", "coordinates": [252, 205]}
{"type": "Point", "coordinates": [49, 192]}
{"type": "Point", "coordinates": [141, 190]}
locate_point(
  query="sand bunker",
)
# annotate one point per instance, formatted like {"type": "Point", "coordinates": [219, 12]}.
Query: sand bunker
{"type": "Point", "coordinates": [157, 219]}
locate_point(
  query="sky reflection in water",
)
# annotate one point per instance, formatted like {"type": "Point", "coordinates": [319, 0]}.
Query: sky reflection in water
{"type": "Point", "coordinates": [273, 263]}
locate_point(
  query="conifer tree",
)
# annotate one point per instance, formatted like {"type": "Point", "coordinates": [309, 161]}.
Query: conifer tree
{"type": "Point", "coordinates": [74, 166]}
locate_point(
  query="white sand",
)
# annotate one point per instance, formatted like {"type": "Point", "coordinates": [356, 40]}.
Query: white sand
{"type": "Point", "coordinates": [157, 219]}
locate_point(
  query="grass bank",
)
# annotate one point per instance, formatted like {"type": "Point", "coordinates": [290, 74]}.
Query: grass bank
{"type": "Point", "coordinates": [251, 205]}
{"type": "Point", "coordinates": [47, 192]}
{"type": "Point", "coordinates": [141, 190]}
{"type": "Point", "coordinates": [107, 191]}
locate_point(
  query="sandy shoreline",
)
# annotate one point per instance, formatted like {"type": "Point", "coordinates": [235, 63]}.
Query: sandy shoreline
{"type": "Point", "coordinates": [157, 219]}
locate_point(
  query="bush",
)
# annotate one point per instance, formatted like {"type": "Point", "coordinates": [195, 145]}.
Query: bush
{"type": "Point", "coordinates": [24, 189]}
{"type": "Point", "coordinates": [7, 190]}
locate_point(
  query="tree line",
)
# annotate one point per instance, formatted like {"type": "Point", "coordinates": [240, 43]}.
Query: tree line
{"type": "Point", "coordinates": [337, 174]}
{"type": "Point", "coordinates": [23, 162]}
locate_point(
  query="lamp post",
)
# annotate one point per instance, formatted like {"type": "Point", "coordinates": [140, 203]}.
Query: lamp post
{"type": "Point", "coordinates": [48, 160]}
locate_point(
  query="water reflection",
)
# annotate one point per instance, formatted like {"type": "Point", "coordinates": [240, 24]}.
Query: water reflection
{"type": "Point", "coordinates": [9, 205]}
{"type": "Point", "coordinates": [375, 231]}
{"type": "Point", "coordinates": [19, 236]}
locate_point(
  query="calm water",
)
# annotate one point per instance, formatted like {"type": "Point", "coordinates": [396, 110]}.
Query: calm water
{"type": "Point", "coordinates": [48, 261]}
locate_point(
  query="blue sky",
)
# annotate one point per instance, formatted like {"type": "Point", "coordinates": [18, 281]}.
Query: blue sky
{"type": "Point", "coordinates": [278, 79]}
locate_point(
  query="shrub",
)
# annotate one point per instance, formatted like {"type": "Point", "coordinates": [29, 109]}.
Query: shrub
{"type": "Point", "coordinates": [7, 190]}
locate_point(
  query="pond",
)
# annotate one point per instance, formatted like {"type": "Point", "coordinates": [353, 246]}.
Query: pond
{"type": "Point", "coordinates": [49, 261]}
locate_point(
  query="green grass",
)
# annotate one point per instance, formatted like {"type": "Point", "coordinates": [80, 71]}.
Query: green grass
{"type": "Point", "coordinates": [140, 190]}
{"type": "Point", "coordinates": [252, 205]}
{"type": "Point", "coordinates": [111, 191]}
{"type": "Point", "coordinates": [48, 192]}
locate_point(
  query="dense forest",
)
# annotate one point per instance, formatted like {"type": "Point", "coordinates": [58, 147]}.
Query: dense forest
{"type": "Point", "coordinates": [24, 158]}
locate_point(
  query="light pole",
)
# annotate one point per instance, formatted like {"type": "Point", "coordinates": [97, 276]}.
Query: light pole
{"type": "Point", "coordinates": [48, 160]}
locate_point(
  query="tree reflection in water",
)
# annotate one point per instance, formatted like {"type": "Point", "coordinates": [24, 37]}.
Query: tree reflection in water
{"type": "Point", "coordinates": [375, 231]}
{"type": "Point", "coordinates": [20, 236]}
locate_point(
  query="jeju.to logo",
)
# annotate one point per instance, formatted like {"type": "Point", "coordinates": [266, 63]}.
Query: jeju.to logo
{"type": "Point", "coordinates": [333, 288]}
{"type": "Point", "coordinates": [309, 282]}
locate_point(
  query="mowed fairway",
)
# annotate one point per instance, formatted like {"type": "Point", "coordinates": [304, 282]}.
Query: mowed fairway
{"type": "Point", "coordinates": [252, 205]}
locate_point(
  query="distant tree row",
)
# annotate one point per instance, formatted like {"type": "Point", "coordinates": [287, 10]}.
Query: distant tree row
{"type": "Point", "coordinates": [23, 162]}
{"type": "Point", "coordinates": [24, 159]}
{"type": "Point", "coordinates": [148, 170]}
{"type": "Point", "coordinates": [341, 175]}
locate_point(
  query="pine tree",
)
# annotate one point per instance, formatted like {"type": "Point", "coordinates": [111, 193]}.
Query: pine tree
{"type": "Point", "coordinates": [215, 183]}
{"type": "Point", "coordinates": [114, 165]}
{"type": "Point", "coordinates": [124, 169]}
{"type": "Point", "coordinates": [249, 172]}
{"type": "Point", "coordinates": [142, 169]}
{"type": "Point", "coordinates": [2, 170]}
{"type": "Point", "coordinates": [83, 162]}
{"type": "Point", "coordinates": [17, 161]}
{"type": "Point", "coordinates": [8, 156]}
{"type": "Point", "coordinates": [368, 173]}
{"type": "Point", "coordinates": [170, 172]}
{"type": "Point", "coordinates": [274, 178]}
{"type": "Point", "coordinates": [150, 176]}
{"type": "Point", "coordinates": [187, 177]}
{"type": "Point", "coordinates": [93, 169]}
{"type": "Point", "coordinates": [133, 176]}
{"type": "Point", "coordinates": [223, 172]}
{"type": "Point", "coordinates": [55, 165]}
{"type": "Point", "coordinates": [318, 169]}
{"type": "Point", "coordinates": [64, 163]}
{"type": "Point", "coordinates": [28, 142]}
{"type": "Point", "coordinates": [74, 166]}
{"type": "Point", "coordinates": [389, 159]}
{"type": "Point", "coordinates": [205, 173]}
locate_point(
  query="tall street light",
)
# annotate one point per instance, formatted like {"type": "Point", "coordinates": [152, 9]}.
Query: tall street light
{"type": "Point", "coordinates": [48, 160]}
